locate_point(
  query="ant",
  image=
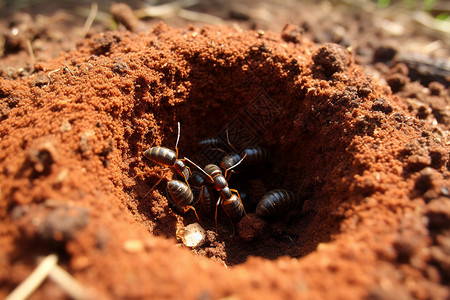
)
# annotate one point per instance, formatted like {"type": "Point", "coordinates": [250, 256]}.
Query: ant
{"type": "Point", "coordinates": [277, 202]}
{"type": "Point", "coordinates": [255, 155]}
{"type": "Point", "coordinates": [169, 158]}
{"type": "Point", "coordinates": [182, 196]}
{"type": "Point", "coordinates": [231, 203]}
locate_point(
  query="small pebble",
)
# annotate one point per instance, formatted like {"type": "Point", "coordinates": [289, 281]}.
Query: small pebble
{"type": "Point", "coordinates": [192, 235]}
{"type": "Point", "coordinates": [133, 246]}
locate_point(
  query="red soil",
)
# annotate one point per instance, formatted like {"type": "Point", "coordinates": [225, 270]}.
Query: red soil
{"type": "Point", "coordinates": [74, 181]}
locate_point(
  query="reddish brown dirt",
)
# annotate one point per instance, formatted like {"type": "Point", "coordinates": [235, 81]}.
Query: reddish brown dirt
{"type": "Point", "coordinates": [375, 223]}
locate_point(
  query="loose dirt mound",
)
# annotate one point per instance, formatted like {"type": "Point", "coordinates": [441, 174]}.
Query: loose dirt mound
{"type": "Point", "coordinates": [75, 182]}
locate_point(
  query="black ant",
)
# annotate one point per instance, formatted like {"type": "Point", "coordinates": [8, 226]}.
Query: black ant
{"type": "Point", "coordinates": [169, 158]}
{"type": "Point", "coordinates": [231, 203]}
{"type": "Point", "coordinates": [182, 196]}
{"type": "Point", "coordinates": [277, 202]}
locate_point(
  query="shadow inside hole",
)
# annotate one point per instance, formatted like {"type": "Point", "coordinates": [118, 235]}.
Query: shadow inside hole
{"type": "Point", "coordinates": [295, 234]}
{"type": "Point", "coordinates": [304, 134]}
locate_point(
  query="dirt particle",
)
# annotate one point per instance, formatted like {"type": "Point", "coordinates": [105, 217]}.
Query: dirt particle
{"type": "Point", "coordinates": [417, 162]}
{"type": "Point", "coordinates": [400, 68]}
{"type": "Point", "coordinates": [347, 98]}
{"type": "Point", "coordinates": [80, 262]}
{"type": "Point", "coordinates": [441, 260]}
{"type": "Point", "coordinates": [133, 246]}
{"type": "Point", "coordinates": [367, 186]}
{"type": "Point", "coordinates": [124, 15]}
{"type": "Point", "coordinates": [63, 222]}
{"type": "Point", "coordinates": [411, 236]}
{"type": "Point", "coordinates": [120, 67]}
{"type": "Point", "coordinates": [103, 42]}
{"type": "Point", "coordinates": [364, 89]}
{"type": "Point", "coordinates": [438, 214]}
{"type": "Point", "coordinates": [292, 33]}
{"type": "Point", "coordinates": [251, 227]}
{"type": "Point", "coordinates": [331, 58]}
{"type": "Point", "coordinates": [210, 237]}
{"type": "Point", "coordinates": [65, 126]}
{"type": "Point", "coordinates": [425, 181]}
{"type": "Point", "coordinates": [41, 158]}
{"type": "Point", "coordinates": [417, 155]}
{"type": "Point", "coordinates": [366, 125]}
{"type": "Point", "coordinates": [390, 292]}
{"type": "Point", "coordinates": [384, 54]}
{"type": "Point", "coordinates": [40, 81]}
{"type": "Point", "coordinates": [397, 82]}
{"type": "Point", "coordinates": [436, 88]}
{"type": "Point", "coordinates": [108, 148]}
{"type": "Point", "coordinates": [85, 146]}
{"type": "Point", "coordinates": [52, 221]}
{"type": "Point", "coordinates": [382, 105]}
{"type": "Point", "coordinates": [6, 105]}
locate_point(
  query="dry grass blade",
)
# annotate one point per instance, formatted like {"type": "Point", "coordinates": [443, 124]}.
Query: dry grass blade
{"type": "Point", "coordinates": [48, 267]}
{"type": "Point", "coordinates": [30, 51]}
{"type": "Point", "coordinates": [65, 281]}
{"type": "Point", "coordinates": [90, 19]}
{"type": "Point", "coordinates": [32, 282]}
{"type": "Point", "coordinates": [164, 10]}
{"type": "Point", "coordinates": [199, 17]}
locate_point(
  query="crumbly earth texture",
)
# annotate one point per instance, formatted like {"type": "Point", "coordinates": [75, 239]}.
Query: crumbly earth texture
{"type": "Point", "coordinates": [373, 178]}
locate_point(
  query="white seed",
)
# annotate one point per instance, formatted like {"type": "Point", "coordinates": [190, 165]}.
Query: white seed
{"type": "Point", "coordinates": [192, 235]}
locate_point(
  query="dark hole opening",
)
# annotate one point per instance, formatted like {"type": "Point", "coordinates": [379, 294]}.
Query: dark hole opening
{"type": "Point", "coordinates": [269, 110]}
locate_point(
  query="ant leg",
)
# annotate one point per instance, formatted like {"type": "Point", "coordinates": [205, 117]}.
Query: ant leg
{"type": "Point", "coordinates": [151, 189]}
{"type": "Point", "coordinates": [215, 215]}
{"type": "Point", "coordinates": [186, 180]}
{"type": "Point", "coordinates": [229, 175]}
{"type": "Point", "coordinates": [195, 211]}
{"type": "Point", "coordinates": [200, 197]}
{"type": "Point", "coordinates": [218, 149]}
{"type": "Point", "coordinates": [228, 141]}
{"type": "Point", "coordinates": [193, 208]}
{"type": "Point", "coordinates": [189, 169]}
{"type": "Point", "coordinates": [156, 183]}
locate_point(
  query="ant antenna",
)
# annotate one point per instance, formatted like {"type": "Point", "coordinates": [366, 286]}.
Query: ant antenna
{"type": "Point", "coordinates": [218, 149]}
{"type": "Point", "coordinates": [209, 176]}
{"type": "Point", "coordinates": [235, 165]}
{"type": "Point", "coordinates": [228, 141]}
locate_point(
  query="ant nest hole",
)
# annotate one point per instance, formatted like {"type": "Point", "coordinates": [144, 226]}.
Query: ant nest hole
{"type": "Point", "coordinates": [295, 105]}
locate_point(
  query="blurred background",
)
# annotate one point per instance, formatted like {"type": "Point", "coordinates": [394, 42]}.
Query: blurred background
{"type": "Point", "coordinates": [415, 32]}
